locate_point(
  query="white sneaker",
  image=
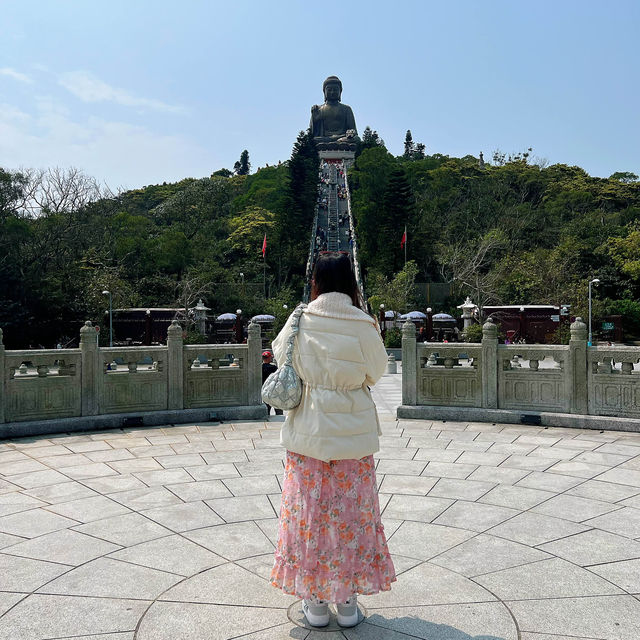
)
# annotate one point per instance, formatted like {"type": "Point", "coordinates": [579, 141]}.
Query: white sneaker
{"type": "Point", "coordinates": [348, 612]}
{"type": "Point", "coordinates": [317, 615]}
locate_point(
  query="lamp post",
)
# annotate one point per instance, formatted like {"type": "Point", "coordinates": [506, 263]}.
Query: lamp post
{"type": "Point", "coordinates": [108, 293]}
{"type": "Point", "coordinates": [591, 282]}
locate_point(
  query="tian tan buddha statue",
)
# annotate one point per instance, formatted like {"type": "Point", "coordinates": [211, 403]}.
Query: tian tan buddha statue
{"type": "Point", "coordinates": [332, 123]}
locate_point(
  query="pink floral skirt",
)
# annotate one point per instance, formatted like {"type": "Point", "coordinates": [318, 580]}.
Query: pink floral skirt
{"type": "Point", "coordinates": [331, 542]}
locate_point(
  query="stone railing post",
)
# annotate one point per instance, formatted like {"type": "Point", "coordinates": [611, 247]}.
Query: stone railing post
{"type": "Point", "coordinates": [175, 371]}
{"type": "Point", "coordinates": [409, 364]}
{"type": "Point", "coordinates": [90, 370]}
{"type": "Point", "coordinates": [2, 381]}
{"type": "Point", "coordinates": [254, 363]}
{"type": "Point", "coordinates": [489, 365]}
{"type": "Point", "coordinates": [578, 367]}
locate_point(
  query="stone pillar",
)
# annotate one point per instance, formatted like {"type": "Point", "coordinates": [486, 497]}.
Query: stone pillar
{"type": "Point", "coordinates": [489, 365]}
{"type": "Point", "coordinates": [2, 381]}
{"type": "Point", "coordinates": [175, 370]}
{"type": "Point", "coordinates": [409, 364]}
{"type": "Point", "coordinates": [90, 358]}
{"type": "Point", "coordinates": [578, 368]}
{"type": "Point", "coordinates": [254, 364]}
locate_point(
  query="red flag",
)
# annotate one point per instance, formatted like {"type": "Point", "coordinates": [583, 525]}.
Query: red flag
{"type": "Point", "coordinates": [404, 238]}
{"type": "Point", "coordinates": [264, 245]}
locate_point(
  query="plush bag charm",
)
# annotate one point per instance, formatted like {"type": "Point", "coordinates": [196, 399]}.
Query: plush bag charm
{"type": "Point", "coordinates": [283, 388]}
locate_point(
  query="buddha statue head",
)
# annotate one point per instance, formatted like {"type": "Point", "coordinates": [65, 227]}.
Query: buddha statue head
{"type": "Point", "coordinates": [332, 89]}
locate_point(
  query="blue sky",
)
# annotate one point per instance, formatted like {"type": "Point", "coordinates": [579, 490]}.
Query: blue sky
{"type": "Point", "coordinates": [139, 92]}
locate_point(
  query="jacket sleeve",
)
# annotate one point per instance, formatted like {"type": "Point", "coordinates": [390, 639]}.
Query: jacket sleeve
{"type": "Point", "coordinates": [375, 355]}
{"type": "Point", "coordinates": [279, 345]}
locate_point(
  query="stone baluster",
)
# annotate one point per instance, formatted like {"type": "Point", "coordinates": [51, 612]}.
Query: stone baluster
{"type": "Point", "coordinates": [254, 364]}
{"type": "Point", "coordinates": [175, 372]}
{"type": "Point", "coordinates": [89, 353]}
{"type": "Point", "coordinates": [409, 364]}
{"type": "Point", "coordinates": [577, 364]}
{"type": "Point", "coordinates": [2, 381]}
{"type": "Point", "coordinates": [489, 380]}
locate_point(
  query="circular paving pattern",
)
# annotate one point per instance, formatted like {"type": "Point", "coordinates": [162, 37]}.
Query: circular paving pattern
{"type": "Point", "coordinates": [497, 531]}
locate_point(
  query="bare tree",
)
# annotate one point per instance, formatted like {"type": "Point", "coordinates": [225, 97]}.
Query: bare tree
{"type": "Point", "coordinates": [466, 265]}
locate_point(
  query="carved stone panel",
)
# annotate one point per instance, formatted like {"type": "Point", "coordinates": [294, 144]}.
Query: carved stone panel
{"type": "Point", "coordinates": [449, 387]}
{"type": "Point", "coordinates": [528, 389]}
{"type": "Point", "coordinates": [614, 395]}
{"type": "Point", "coordinates": [215, 388]}
{"type": "Point", "coordinates": [140, 391]}
{"type": "Point", "coordinates": [42, 398]}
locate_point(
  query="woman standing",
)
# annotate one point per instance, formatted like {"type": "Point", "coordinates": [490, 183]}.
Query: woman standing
{"type": "Point", "coordinates": [331, 542]}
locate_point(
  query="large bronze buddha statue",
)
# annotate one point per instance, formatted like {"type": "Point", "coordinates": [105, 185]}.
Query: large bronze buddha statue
{"type": "Point", "coordinates": [332, 123]}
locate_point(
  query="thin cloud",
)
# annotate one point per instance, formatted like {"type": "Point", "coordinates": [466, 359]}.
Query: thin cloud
{"type": "Point", "coordinates": [88, 88]}
{"type": "Point", "coordinates": [16, 75]}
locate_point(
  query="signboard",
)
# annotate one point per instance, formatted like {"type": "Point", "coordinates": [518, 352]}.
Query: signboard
{"type": "Point", "coordinates": [555, 318]}
{"type": "Point", "coordinates": [607, 326]}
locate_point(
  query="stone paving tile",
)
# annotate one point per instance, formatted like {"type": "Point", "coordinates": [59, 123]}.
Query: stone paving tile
{"type": "Point", "coordinates": [111, 484]}
{"type": "Point", "coordinates": [110, 578]}
{"type": "Point", "coordinates": [515, 497]}
{"type": "Point", "coordinates": [552, 578]}
{"type": "Point", "coordinates": [12, 455]}
{"type": "Point", "coordinates": [135, 465]}
{"type": "Point", "coordinates": [212, 472]}
{"type": "Point", "coordinates": [42, 453]}
{"type": "Point", "coordinates": [166, 476]}
{"type": "Point", "coordinates": [578, 469]}
{"type": "Point", "coordinates": [174, 554]}
{"type": "Point", "coordinates": [203, 490]}
{"type": "Point", "coordinates": [536, 529]}
{"type": "Point", "coordinates": [460, 445]}
{"type": "Point", "coordinates": [151, 451]}
{"type": "Point", "coordinates": [396, 453]}
{"type": "Point", "coordinates": [233, 541]}
{"type": "Point", "coordinates": [500, 475]}
{"type": "Point", "coordinates": [62, 461]}
{"type": "Point", "coordinates": [439, 622]}
{"type": "Point", "coordinates": [606, 491]}
{"type": "Point", "coordinates": [44, 616]}
{"type": "Point", "coordinates": [423, 541]}
{"type": "Point", "coordinates": [619, 449]}
{"type": "Point", "coordinates": [631, 502]}
{"type": "Point", "coordinates": [125, 530]}
{"type": "Point", "coordinates": [594, 547]}
{"type": "Point", "coordinates": [528, 462]}
{"type": "Point", "coordinates": [408, 485]}
{"type": "Point", "coordinates": [251, 486]}
{"type": "Point", "coordinates": [185, 517]}
{"type": "Point", "coordinates": [127, 443]}
{"type": "Point", "coordinates": [7, 541]}
{"type": "Point", "coordinates": [438, 455]}
{"type": "Point", "coordinates": [485, 554]}
{"type": "Point", "coordinates": [187, 621]}
{"type": "Point", "coordinates": [626, 574]}
{"type": "Point", "coordinates": [482, 458]}
{"type": "Point", "coordinates": [624, 522]}
{"type": "Point", "coordinates": [267, 468]}
{"type": "Point", "coordinates": [448, 469]}
{"type": "Point", "coordinates": [548, 481]}
{"type": "Point", "coordinates": [15, 502]}
{"type": "Point", "coordinates": [26, 574]}
{"type": "Point", "coordinates": [7, 600]}
{"type": "Point", "coordinates": [180, 460]}
{"type": "Point", "coordinates": [250, 507]}
{"type": "Point", "coordinates": [19, 466]}
{"type": "Point", "coordinates": [109, 455]}
{"type": "Point", "coordinates": [83, 446]}
{"type": "Point", "coordinates": [401, 467]}
{"type": "Point", "coordinates": [92, 470]}
{"type": "Point", "coordinates": [422, 509]}
{"type": "Point", "coordinates": [7, 487]}
{"type": "Point", "coordinates": [34, 522]}
{"type": "Point", "coordinates": [62, 492]}
{"type": "Point", "coordinates": [64, 546]}
{"type": "Point", "coordinates": [618, 475]}
{"type": "Point", "coordinates": [474, 516]}
{"type": "Point", "coordinates": [512, 448]}
{"type": "Point", "coordinates": [228, 584]}
{"type": "Point", "coordinates": [595, 457]}
{"type": "Point", "coordinates": [38, 479]}
{"type": "Point", "coordinates": [89, 509]}
{"type": "Point", "coordinates": [610, 617]}
{"type": "Point", "coordinates": [555, 453]}
{"type": "Point", "coordinates": [460, 489]}
{"type": "Point", "coordinates": [574, 508]}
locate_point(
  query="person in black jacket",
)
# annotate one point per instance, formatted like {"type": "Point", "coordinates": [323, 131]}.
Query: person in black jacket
{"type": "Point", "coordinates": [267, 369]}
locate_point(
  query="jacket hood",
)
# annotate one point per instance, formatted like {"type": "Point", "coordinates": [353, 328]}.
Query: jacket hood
{"type": "Point", "coordinates": [337, 305]}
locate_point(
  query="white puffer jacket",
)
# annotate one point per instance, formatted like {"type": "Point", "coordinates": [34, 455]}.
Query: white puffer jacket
{"type": "Point", "coordinates": [338, 354]}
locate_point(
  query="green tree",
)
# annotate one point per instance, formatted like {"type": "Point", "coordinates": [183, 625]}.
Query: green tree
{"type": "Point", "coordinates": [242, 167]}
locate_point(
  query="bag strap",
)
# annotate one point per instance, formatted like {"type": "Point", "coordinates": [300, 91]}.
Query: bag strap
{"type": "Point", "coordinates": [294, 331]}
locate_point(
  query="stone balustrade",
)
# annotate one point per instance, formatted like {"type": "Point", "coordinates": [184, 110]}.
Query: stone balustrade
{"type": "Point", "coordinates": [92, 387]}
{"type": "Point", "coordinates": [561, 385]}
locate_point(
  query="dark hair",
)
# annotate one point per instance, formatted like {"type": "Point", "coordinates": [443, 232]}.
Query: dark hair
{"type": "Point", "coordinates": [334, 272]}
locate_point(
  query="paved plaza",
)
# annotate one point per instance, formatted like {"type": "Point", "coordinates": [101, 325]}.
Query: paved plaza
{"type": "Point", "coordinates": [498, 532]}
